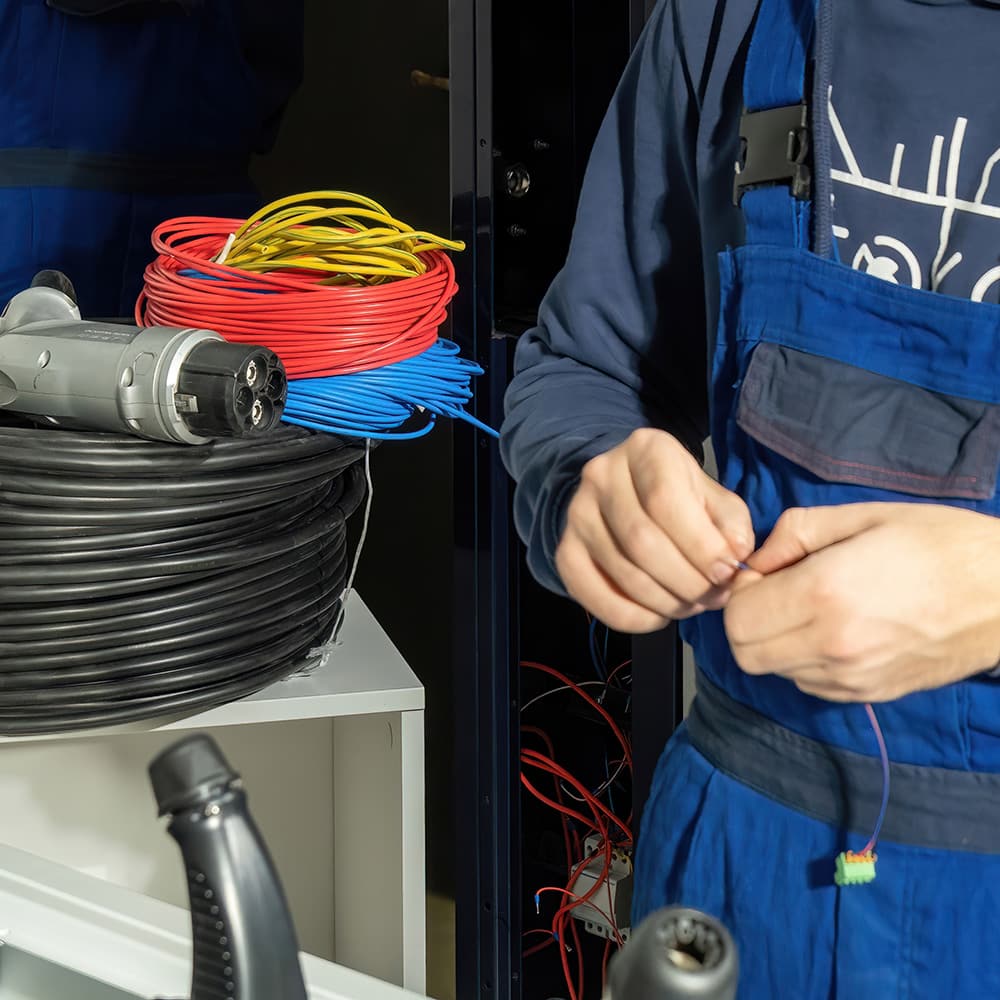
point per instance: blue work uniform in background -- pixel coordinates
(831, 381)
(116, 116)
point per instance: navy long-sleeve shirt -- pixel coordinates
(626, 328)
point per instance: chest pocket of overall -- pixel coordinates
(854, 427)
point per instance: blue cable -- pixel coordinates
(886, 778)
(607, 775)
(376, 404)
(594, 655)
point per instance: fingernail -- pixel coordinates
(722, 572)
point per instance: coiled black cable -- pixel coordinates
(141, 580)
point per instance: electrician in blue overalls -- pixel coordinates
(843, 288)
(118, 114)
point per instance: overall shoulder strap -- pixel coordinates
(775, 177)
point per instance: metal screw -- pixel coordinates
(252, 372)
(257, 414)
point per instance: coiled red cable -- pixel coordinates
(316, 329)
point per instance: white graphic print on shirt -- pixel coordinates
(947, 196)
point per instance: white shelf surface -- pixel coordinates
(127, 941)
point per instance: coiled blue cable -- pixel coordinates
(376, 404)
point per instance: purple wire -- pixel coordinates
(883, 753)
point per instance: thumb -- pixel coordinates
(804, 530)
(731, 516)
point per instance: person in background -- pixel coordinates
(826, 313)
(118, 114)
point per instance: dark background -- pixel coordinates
(358, 124)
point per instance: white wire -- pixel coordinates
(600, 791)
(349, 587)
(565, 687)
(319, 655)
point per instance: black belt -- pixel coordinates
(124, 173)
(931, 807)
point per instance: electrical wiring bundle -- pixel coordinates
(351, 299)
(595, 838)
(140, 580)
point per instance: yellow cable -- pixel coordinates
(354, 239)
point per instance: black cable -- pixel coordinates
(124, 653)
(140, 580)
(36, 543)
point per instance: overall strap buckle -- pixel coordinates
(775, 148)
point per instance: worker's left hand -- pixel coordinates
(869, 602)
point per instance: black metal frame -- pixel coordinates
(487, 790)
(488, 878)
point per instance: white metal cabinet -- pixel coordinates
(68, 935)
(334, 766)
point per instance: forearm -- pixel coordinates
(621, 340)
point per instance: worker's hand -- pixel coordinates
(870, 602)
(650, 536)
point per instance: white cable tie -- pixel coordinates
(224, 252)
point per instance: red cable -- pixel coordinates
(596, 888)
(315, 329)
(559, 925)
(578, 900)
(547, 740)
(573, 994)
(535, 949)
(537, 760)
(580, 981)
(621, 666)
(534, 759)
(600, 709)
(537, 930)
(566, 909)
(565, 810)
(564, 914)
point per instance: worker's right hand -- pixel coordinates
(650, 537)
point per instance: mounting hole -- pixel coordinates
(691, 944)
(262, 413)
(276, 385)
(685, 960)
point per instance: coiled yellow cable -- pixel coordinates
(354, 239)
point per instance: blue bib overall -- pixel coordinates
(831, 386)
(111, 124)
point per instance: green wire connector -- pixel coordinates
(855, 869)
